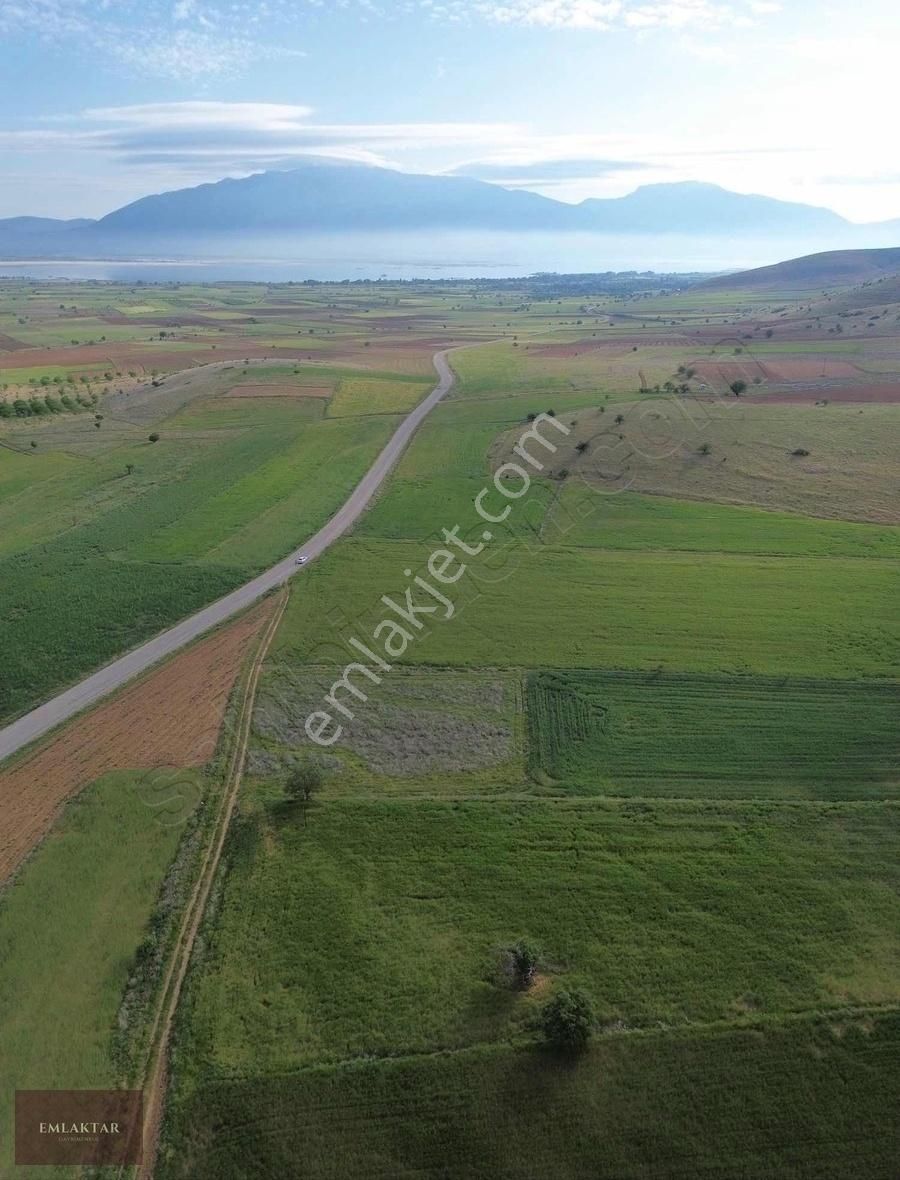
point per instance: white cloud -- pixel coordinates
(606, 15)
(184, 39)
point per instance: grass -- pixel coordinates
(741, 453)
(375, 928)
(635, 521)
(802, 1101)
(422, 730)
(713, 737)
(584, 608)
(358, 395)
(100, 557)
(70, 925)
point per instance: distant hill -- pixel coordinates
(693, 208)
(833, 268)
(322, 196)
(36, 236)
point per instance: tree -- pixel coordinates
(524, 957)
(154, 437)
(567, 1020)
(738, 387)
(619, 419)
(581, 447)
(303, 781)
(704, 448)
(129, 468)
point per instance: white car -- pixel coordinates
(302, 559)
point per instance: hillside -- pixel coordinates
(834, 268)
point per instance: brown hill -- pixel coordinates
(835, 268)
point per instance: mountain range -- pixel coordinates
(325, 196)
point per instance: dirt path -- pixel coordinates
(156, 1076)
(100, 684)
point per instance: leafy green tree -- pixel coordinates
(567, 1020)
(303, 781)
(154, 437)
(738, 387)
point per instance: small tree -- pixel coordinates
(619, 419)
(704, 448)
(738, 387)
(524, 957)
(129, 468)
(154, 437)
(567, 1020)
(303, 782)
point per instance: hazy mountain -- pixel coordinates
(276, 212)
(833, 268)
(694, 208)
(335, 196)
(23, 236)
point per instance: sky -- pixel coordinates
(104, 101)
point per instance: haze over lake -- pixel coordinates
(422, 255)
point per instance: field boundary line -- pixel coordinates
(156, 1069)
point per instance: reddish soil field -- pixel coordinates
(882, 394)
(284, 390)
(784, 371)
(580, 347)
(171, 718)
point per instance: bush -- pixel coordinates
(800, 452)
(524, 957)
(303, 781)
(567, 1020)
(154, 437)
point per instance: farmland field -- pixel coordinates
(651, 730)
(70, 928)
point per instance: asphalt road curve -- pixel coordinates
(100, 684)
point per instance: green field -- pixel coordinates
(584, 608)
(107, 538)
(375, 930)
(674, 734)
(582, 516)
(717, 1103)
(655, 734)
(70, 926)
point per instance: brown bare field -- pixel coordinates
(783, 371)
(171, 718)
(284, 389)
(621, 343)
(874, 393)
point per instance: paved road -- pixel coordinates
(33, 725)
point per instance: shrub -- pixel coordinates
(524, 956)
(154, 437)
(567, 1020)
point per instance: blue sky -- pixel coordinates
(106, 100)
